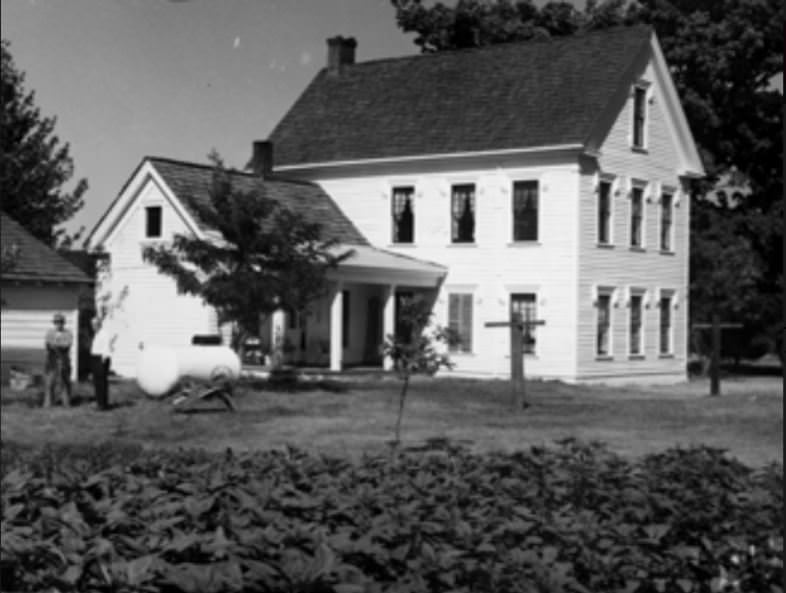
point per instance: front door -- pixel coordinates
(402, 329)
(372, 354)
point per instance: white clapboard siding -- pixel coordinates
(26, 329)
(624, 268)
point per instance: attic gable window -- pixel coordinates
(462, 213)
(639, 116)
(403, 215)
(153, 222)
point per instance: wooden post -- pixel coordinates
(518, 397)
(716, 354)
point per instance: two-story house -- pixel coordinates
(547, 177)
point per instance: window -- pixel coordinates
(153, 222)
(666, 202)
(525, 211)
(462, 213)
(635, 334)
(603, 342)
(403, 215)
(639, 116)
(525, 304)
(604, 213)
(636, 216)
(460, 321)
(665, 324)
(345, 309)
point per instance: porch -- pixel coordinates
(346, 329)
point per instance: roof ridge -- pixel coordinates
(507, 44)
(197, 165)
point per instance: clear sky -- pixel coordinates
(130, 78)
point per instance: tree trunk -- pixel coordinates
(402, 398)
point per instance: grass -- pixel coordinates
(350, 418)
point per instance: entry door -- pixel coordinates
(402, 329)
(374, 337)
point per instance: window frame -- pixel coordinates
(605, 181)
(527, 348)
(409, 192)
(641, 188)
(640, 112)
(465, 326)
(639, 351)
(671, 193)
(604, 293)
(514, 221)
(455, 238)
(148, 210)
(666, 296)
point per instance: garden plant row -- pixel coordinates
(568, 518)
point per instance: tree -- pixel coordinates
(416, 350)
(722, 55)
(261, 257)
(34, 165)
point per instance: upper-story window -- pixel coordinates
(403, 213)
(636, 216)
(604, 212)
(639, 116)
(666, 206)
(525, 211)
(462, 213)
(153, 222)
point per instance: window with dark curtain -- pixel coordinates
(462, 210)
(525, 211)
(403, 215)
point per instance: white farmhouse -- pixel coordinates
(548, 177)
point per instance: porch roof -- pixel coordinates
(372, 265)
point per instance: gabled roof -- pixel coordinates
(190, 185)
(35, 261)
(190, 182)
(510, 96)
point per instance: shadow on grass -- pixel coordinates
(292, 384)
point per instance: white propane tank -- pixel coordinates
(160, 367)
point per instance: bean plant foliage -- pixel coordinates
(569, 518)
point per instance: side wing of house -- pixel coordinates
(634, 238)
(146, 307)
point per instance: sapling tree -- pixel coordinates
(418, 349)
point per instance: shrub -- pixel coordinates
(440, 518)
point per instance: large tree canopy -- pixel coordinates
(723, 55)
(34, 165)
(260, 257)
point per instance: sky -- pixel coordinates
(173, 78)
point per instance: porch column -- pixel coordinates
(278, 328)
(389, 320)
(336, 327)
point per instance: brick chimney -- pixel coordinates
(262, 158)
(341, 52)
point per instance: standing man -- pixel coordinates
(57, 370)
(100, 359)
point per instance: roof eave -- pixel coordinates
(569, 148)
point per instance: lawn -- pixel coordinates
(354, 417)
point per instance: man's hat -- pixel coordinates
(58, 317)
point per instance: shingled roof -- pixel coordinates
(515, 95)
(35, 261)
(190, 182)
